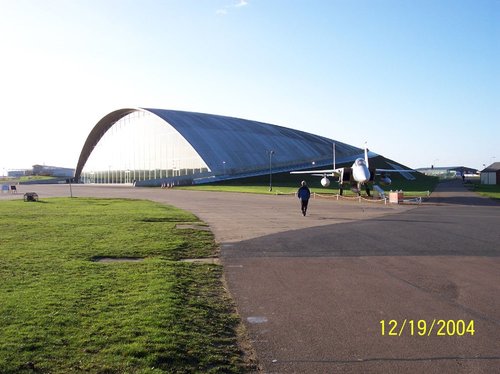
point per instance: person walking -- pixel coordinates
(304, 194)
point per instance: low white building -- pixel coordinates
(491, 175)
(448, 172)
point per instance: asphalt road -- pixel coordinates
(313, 290)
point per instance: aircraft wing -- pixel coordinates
(395, 171)
(319, 173)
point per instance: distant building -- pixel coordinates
(446, 172)
(18, 173)
(491, 175)
(52, 171)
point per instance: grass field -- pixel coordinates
(31, 178)
(289, 184)
(491, 191)
(62, 312)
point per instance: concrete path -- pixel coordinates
(313, 290)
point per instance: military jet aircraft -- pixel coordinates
(358, 175)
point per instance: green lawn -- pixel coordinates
(62, 312)
(30, 178)
(492, 191)
(419, 187)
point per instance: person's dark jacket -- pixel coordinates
(303, 193)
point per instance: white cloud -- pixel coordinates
(223, 11)
(241, 3)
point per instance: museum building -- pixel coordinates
(152, 147)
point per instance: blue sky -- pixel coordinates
(417, 80)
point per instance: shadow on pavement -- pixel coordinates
(427, 231)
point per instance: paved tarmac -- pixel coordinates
(314, 298)
(313, 290)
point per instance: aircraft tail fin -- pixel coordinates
(366, 156)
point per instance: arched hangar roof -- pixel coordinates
(239, 145)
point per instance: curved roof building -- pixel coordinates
(200, 147)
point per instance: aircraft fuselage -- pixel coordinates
(360, 172)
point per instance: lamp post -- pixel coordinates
(271, 153)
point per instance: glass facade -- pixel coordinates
(142, 146)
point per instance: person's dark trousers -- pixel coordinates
(303, 204)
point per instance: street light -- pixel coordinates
(271, 153)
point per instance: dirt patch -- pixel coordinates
(210, 260)
(116, 259)
(192, 227)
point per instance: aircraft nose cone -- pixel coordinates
(361, 175)
(365, 176)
